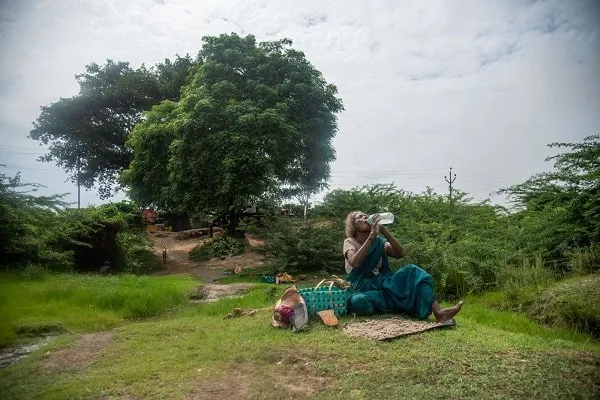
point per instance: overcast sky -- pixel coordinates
(481, 86)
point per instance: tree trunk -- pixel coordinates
(306, 207)
(234, 220)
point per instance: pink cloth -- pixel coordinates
(285, 313)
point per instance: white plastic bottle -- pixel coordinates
(385, 218)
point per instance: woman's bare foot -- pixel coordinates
(447, 314)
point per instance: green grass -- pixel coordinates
(196, 353)
(480, 312)
(80, 303)
(572, 303)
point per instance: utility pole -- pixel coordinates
(78, 146)
(450, 182)
(78, 183)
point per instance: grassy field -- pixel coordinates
(83, 303)
(191, 351)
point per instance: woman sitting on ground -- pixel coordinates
(376, 287)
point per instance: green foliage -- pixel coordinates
(42, 231)
(522, 284)
(147, 175)
(466, 246)
(370, 199)
(255, 119)
(83, 303)
(462, 244)
(39, 329)
(87, 132)
(25, 225)
(531, 289)
(111, 232)
(34, 272)
(136, 252)
(124, 214)
(299, 247)
(222, 247)
(563, 206)
(528, 273)
(585, 260)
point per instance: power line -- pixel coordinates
(15, 150)
(32, 168)
(487, 176)
(491, 182)
(483, 182)
(6, 146)
(394, 170)
(377, 174)
(19, 152)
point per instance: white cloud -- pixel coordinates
(481, 86)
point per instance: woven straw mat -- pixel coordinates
(389, 328)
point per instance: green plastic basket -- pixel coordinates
(267, 278)
(322, 298)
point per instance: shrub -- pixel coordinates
(522, 284)
(301, 247)
(528, 273)
(458, 268)
(221, 247)
(29, 226)
(573, 304)
(43, 231)
(137, 256)
(586, 260)
(34, 272)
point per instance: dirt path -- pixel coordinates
(178, 261)
(85, 350)
(78, 356)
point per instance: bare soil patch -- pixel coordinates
(178, 261)
(254, 241)
(82, 354)
(215, 291)
(289, 378)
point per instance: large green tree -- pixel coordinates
(256, 119)
(87, 132)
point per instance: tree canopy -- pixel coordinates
(255, 119)
(87, 132)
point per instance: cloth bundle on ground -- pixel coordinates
(290, 310)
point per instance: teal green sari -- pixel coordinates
(408, 290)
